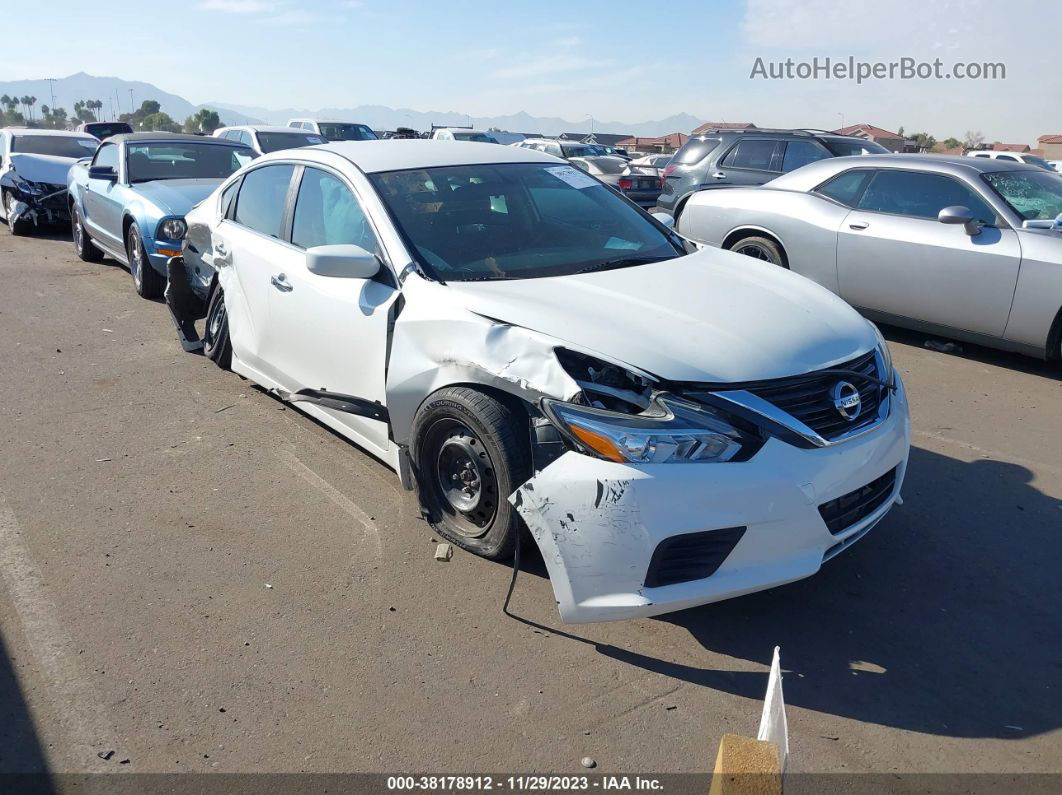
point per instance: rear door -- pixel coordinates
(751, 161)
(248, 250)
(893, 256)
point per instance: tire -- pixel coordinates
(761, 248)
(147, 281)
(82, 244)
(464, 436)
(19, 229)
(216, 344)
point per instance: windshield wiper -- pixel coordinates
(620, 262)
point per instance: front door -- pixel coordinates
(329, 333)
(102, 203)
(893, 256)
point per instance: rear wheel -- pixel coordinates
(472, 452)
(149, 283)
(82, 244)
(216, 345)
(760, 248)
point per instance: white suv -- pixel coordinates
(462, 134)
(335, 130)
(1016, 157)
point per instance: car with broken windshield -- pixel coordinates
(129, 200)
(528, 350)
(33, 171)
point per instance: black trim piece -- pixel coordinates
(849, 509)
(334, 400)
(184, 305)
(691, 556)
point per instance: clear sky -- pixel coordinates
(615, 60)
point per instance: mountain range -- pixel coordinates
(114, 93)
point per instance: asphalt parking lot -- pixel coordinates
(198, 578)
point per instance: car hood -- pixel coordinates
(711, 316)
(176, 196)
(42, 168)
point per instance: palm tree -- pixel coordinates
(31, 103)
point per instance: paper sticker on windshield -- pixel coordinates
(626, 245)
(573, 176)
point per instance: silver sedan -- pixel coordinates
(956, 246)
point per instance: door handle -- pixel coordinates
(858, 225)
(718, 175)
(281, 283)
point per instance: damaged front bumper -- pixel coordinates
(36, 203)
(625, 541)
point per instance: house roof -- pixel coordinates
(723, 125)
(674, 140)
(1050, 139)
(867, 129)
(998, 147)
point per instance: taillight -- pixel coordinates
(626, 183)
(668, 170)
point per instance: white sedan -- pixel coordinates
(525, 347)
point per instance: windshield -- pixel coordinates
(851, 148)
(1034, 195)
(346, 132)
(517, 221)
(579, 150)
(55, 145)
(180, 160)
(477, 137)
(272, 141)
(1033, 160)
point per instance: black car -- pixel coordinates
(748, 157)
(105, 129)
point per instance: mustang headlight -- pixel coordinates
(671, 431)
(172, 229)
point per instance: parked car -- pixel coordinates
(1055, 164)
(649, 165)
(523, 346)
(559, 147)
(129, 201)
(1014, 157)
(335, 130)
(722, 158)
(104, 129)
(462, 134)
(264, 139)
(33, 168)
(958, 246)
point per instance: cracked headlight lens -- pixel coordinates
(172, 229)
(672, 431)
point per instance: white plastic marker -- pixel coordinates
(773, 725)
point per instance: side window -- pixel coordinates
(107, 155)
(1008, 157)
(326, 213)
(245, 138)
(227, 197)
(263, 194)
(921, 195)
(758, 155)
(554, 149)
(847, 187)
(982, 155)
(800, 153)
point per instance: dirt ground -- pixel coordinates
(198, 578)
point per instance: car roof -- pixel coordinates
(35, 131)
(397, 154)
(277, 128)
(166, 136)
(807, 177)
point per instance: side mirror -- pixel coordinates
(342, 261)
(665, 219)
(103, 172)
(960, 215)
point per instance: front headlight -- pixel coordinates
(30, 188)
(886, 354)
(172, 229)
(671, 431)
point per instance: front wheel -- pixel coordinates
(147, 281)
(472, 452)
(17, 228)
(761, 248)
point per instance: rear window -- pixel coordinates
(695, 151)
(107, 129)
(852, 147)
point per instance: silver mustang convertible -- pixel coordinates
(951, 245)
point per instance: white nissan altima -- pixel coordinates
(525, 347)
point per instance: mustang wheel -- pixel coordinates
(472, 453)
(216, 345)
(82, 245)
(148, 282)
(761, 248)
